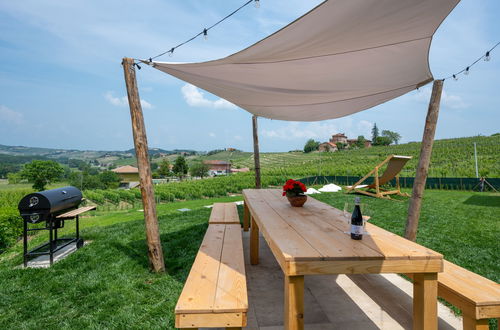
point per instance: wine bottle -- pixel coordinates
(357, 221)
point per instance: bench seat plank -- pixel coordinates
(215, 292)
(461, 287)
(231, 295)
(201, 285)
(224, 213)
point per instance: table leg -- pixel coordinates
(294, 302)
(246, 217)
(425, 301)
(254, 243)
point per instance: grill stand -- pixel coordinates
(54, 244)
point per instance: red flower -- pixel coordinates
(294, 187)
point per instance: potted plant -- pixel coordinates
(294, 192)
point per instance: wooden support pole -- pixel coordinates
(256, 153)
(155, 251)
(424, 161)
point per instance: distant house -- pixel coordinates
(327, 147)
(127, 173)
(331, 145)
(218, 167)
(339, 137)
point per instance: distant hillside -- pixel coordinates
(450, 158)
(83, 154)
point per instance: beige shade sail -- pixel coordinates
(342, 57)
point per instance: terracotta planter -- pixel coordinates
(297, 201)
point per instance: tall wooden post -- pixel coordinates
(155, 251)
(423, 163)
(256, 154)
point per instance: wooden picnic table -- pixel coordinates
(312, 240)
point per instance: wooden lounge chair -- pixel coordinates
(394, 165)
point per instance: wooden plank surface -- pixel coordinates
(224, 213)
(316, 232)
(470, 286)
(231, 294)
(210, 320)
(278, 233)
(199, 291)
(74, 213)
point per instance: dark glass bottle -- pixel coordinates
(357, 221)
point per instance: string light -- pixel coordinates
(466, 71)
(204, 32)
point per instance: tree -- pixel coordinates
(340, 145)
(164, 168)
(311, 145)
(360, 143)
(394, 136)
(180, 167)
(375, 134)
(109, 179)
(382, 141)
(41, 173)
(199, 169)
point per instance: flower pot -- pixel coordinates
(297, 201)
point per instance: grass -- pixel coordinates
(107, 284)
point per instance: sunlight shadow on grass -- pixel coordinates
(484, 200)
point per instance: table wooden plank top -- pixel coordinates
(309, 236)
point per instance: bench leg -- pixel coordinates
(246, 217)
(294, 302)
(254, 243)
(470, 323)
(425, 301)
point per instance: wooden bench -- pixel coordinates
(215, 292)
(477, 297)
(224, 213)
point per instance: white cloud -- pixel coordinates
(195, 98)
(11, 116)
(447, 100)
(123, 101)
(212, 134)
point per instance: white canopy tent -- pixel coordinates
(342, 57)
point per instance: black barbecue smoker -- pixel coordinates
(51, 208)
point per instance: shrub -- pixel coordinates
(11, 226)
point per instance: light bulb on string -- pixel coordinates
(487, 57)
(455, 77)
(205, 34)
(257, 3)
(466, 71)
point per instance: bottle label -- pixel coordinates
(357, 230)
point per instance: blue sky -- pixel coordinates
(61, 81)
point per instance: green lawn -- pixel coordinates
(107, 284)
